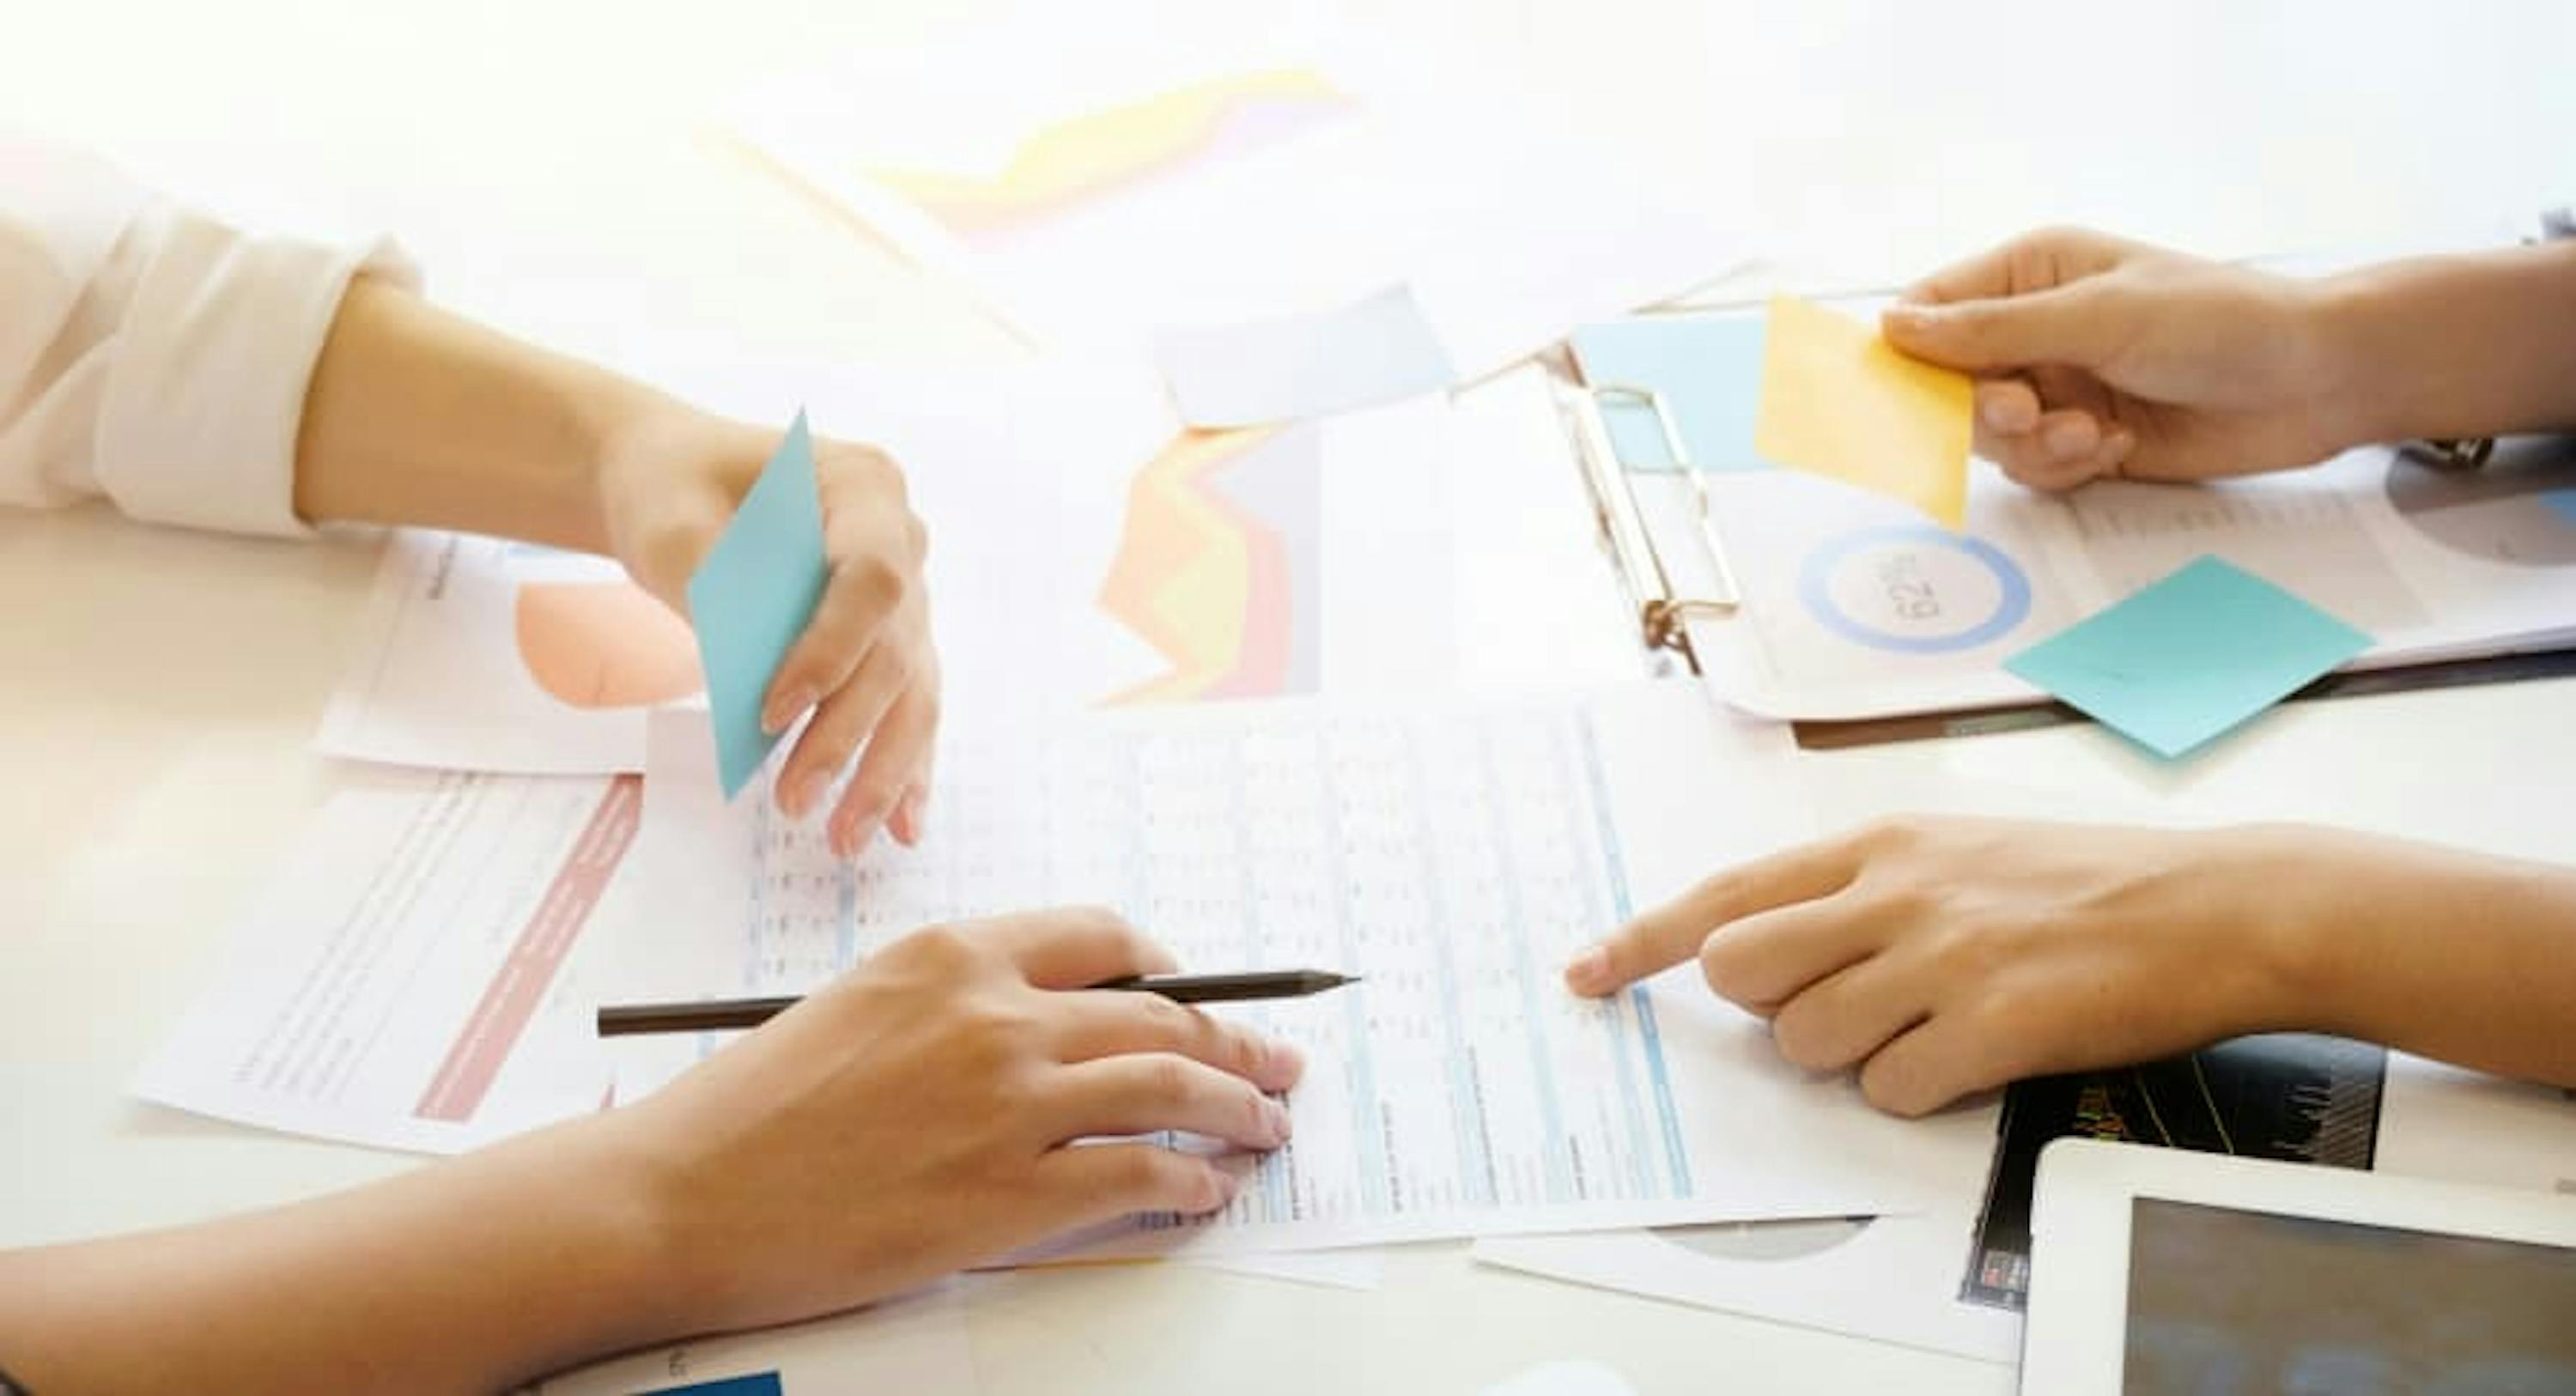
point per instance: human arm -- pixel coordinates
(416, 416)
(1944, 957)
(2099, 356)
(916, 1116)
(192, 372)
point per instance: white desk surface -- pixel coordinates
(555, 167)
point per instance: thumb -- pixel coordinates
(2072, 325)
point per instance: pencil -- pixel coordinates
(720, 1015)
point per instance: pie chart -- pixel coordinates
(2519, 508)
(604, 645)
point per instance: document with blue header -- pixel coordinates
(1454, 856)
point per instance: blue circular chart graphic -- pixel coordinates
(1914, 589)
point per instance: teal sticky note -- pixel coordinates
(2190, 656)
(752, 597)
(1708, 368)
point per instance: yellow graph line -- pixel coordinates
(1075, 157)
(1182, 578)
(2197, 1075)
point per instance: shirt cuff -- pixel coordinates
(202, 406)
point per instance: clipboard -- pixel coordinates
(1666, 611)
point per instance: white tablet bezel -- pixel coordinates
(2075, 1333)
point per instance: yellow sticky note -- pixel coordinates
(1838, 401)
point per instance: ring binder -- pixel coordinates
(1660, 613)
(1665, 619)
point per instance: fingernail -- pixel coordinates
(2001, 416)
(909, 814)
(2070, 438)
(1283, 1059)
(1907, 317)
(783, 708)
(2122, 442)
(1275, 1115)
(1589, 969)
(798, 796)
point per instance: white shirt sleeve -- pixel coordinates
(153, 354)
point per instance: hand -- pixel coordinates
(864, 667)
(2102, 357)
(924, 1112)
(1950, 956)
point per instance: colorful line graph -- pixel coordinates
(1121, 148)
(1217, 565)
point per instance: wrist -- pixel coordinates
(608, 417)
(2341, 316)
(2276, 893)
(588, 1211)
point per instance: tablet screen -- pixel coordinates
(2223, 1301)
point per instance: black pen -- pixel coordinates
(718, 1015)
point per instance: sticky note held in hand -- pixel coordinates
(1839, 401)
(753, 595)
(2190, 656)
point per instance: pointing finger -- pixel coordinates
(1673, 932)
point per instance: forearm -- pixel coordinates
(415, 416)
(2445, 954)
(463, 1277)
(2480, 345)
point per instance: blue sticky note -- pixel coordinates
(756, 1384)
(752, 597)
(1377, 349)
(1708, 369)
(2564, 501)
(2190, 656)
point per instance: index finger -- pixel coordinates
(1075, 947)
(2038, 261)
(1674, 932)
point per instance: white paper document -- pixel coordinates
(2439, 1121)
(1120, 171)
(1899, 1279)
(403, 981)
(484, 654)
(1854, 607)
(1453, 856)
(1892, 1278)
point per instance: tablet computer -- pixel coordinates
(2161, 1270)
